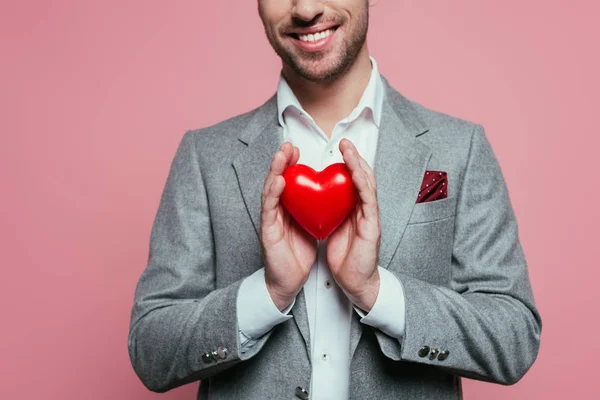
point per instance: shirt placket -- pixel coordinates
(331, 311)
(330, 302)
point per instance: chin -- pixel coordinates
(329, 73)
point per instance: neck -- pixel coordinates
(331, 102)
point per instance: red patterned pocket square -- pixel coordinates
(434, 186)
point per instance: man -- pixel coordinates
(403, 299)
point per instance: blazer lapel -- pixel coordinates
(400, 163)
(263, 137)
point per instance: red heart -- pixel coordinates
(319, 201)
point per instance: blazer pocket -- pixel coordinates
(433, 210)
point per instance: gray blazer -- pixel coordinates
(459, 259)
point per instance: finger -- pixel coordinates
(348, 146)
(295, 156)
(274, 183)
(360, 177)
(271, 202)
(365, 191)
(368, 199)
(370, 173)
(278, 164)
(288, 150)
(349, 154)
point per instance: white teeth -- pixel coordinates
(316, 36)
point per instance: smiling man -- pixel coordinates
(425, 282)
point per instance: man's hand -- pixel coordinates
(289, 251)
(353, 248)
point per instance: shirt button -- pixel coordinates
(327, 283)
(302, 393)
(330, 152)
(324, 357)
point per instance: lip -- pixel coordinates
(314, 46)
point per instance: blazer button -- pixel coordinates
(423, 351)
(443, 355)
(433, 354)
(222, 352)
(207, 358)
(214, 355)
(302, 393)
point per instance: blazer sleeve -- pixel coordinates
(486, 320)
(178, 314)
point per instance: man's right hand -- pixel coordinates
(289, 251)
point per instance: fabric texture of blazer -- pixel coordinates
(459, 259)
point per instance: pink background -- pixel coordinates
(95, 97)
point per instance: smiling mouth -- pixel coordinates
(314, 37)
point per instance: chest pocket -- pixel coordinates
(425, 251)
(430, 211)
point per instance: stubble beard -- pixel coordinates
(346, 55)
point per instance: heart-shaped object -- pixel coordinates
(319, 201)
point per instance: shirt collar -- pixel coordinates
(371, 98)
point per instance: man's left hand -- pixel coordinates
(353, 248)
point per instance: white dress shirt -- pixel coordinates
(329, 310)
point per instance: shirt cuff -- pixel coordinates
(256, 312)
(388, 312)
